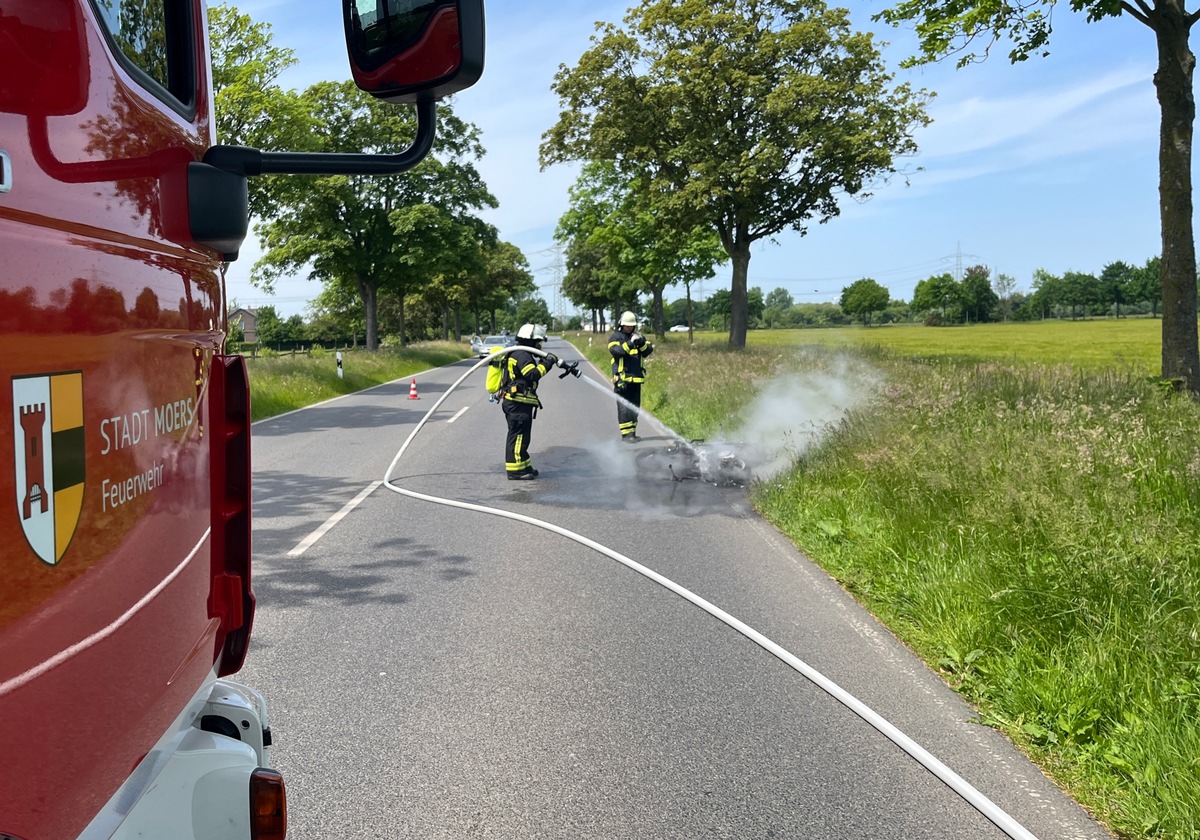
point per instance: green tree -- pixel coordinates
(1147, 284)
(1004, 285)
(718, 305)
(377, 234)
(533, 311)
(749, 116)
(250, 109)
(451, 252)
(755, 305)
(863, 298)
(779, 298)
(336, 315)
(1115, 281)
(1079, 292)
(584, 282)
(1049, 292)
(940, 293)
(505, 277)
(269, 326)
(945, 27)
(778, 306)
(643, 254)
(978, 299)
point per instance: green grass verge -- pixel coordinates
(282, 383)
(1027, 523)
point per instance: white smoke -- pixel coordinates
(796, 409)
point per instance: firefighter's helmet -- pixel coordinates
(532, 332)
(628, 319)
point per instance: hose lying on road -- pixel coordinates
(959, 785)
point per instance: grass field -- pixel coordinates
(1125, 344)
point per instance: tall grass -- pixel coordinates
(280, 383)
(1030, 529)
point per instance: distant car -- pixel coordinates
(679, 328)
(492, 343)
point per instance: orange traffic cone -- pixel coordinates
(412, 392)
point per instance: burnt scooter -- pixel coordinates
(722, 464)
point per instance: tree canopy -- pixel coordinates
(614, 215)
(967, 28)
(396, 233)
(250, 109)
(749, 116)
(863, 298)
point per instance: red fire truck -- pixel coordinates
(125, 540)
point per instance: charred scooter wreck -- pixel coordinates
(723, 464)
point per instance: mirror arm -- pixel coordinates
(243, 160)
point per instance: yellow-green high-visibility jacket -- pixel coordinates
(524, 371)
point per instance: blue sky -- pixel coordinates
(1049, 164)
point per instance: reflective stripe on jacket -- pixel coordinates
(524, 371)
(627, 361)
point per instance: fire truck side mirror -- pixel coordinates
(415, 51)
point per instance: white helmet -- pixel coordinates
(532, 332)
(628, 319)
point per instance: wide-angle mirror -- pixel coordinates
(414, 50)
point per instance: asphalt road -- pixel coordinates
(435, 672)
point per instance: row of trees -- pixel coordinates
(751, 117)
(345, 327)
(380, 246)
(1120, 289)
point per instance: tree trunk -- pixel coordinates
(1173, 81)
(739, 300)
(657, 307)
(370, 299)
(691, 329)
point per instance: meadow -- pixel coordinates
(1125, 344)
(1020, 504)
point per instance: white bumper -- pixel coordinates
(194, 785)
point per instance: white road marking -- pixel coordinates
(306, 543)
(461, 412)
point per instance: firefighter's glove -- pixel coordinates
(550, 360)
(569, 368)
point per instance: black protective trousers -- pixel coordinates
(627, 415)
(520, 430)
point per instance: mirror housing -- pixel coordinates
(414, 51)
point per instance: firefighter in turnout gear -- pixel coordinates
(629, 349)
(519, 399)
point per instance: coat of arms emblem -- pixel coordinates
(49, 458)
